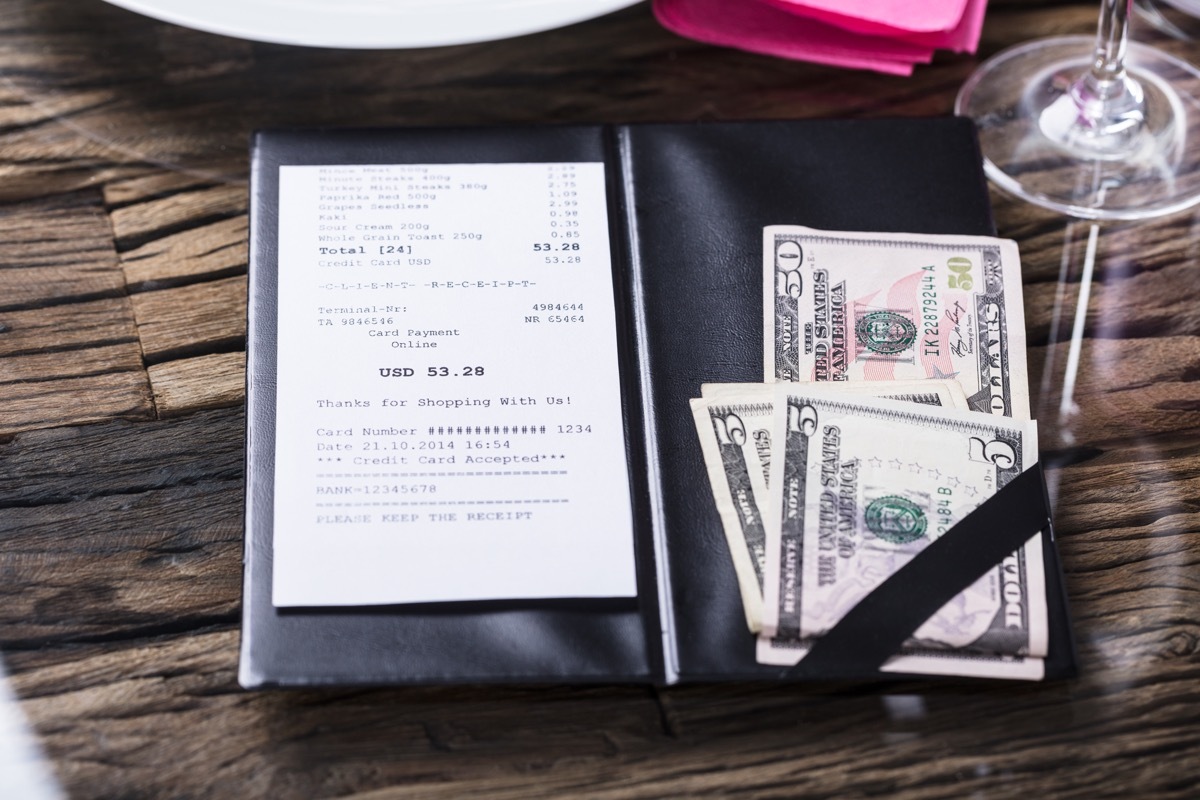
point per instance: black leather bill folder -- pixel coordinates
(687, 204)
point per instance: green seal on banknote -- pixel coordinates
(896, 519)
(885, 332)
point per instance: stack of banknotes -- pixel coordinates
(895, 400)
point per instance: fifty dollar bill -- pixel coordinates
(841, 306)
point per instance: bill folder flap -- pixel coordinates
(879, 624)
(700, 196)
(610, 640)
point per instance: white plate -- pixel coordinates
(372, 23)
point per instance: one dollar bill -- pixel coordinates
(842, 306)
(859, 486)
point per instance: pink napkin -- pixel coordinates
(887, 36)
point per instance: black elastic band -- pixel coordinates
(882, 621)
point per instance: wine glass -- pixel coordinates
(1096, 129)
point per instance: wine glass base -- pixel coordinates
(1034, 148)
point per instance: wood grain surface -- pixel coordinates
(122, 333)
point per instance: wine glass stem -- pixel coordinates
(1108, 104)
(1112, 37)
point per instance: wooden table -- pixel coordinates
(122, 334)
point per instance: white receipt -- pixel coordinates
(448, 414)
